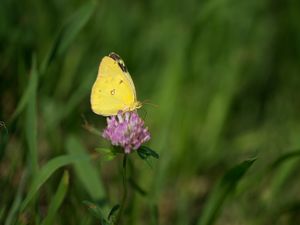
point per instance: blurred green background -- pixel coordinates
(225, 75)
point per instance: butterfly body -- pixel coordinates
(113, 90)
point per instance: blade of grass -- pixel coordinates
(284, 166)
(2, 212)
(222, 189)
(81, 92)
(68, 32)
(64, 109)
(47, 170)
(96, 211)
(30, 89)
(4, 137)
(63, 40)
(57, 199)
(22, 103)
(285, 157)
(31, 120)
(11, 217)
(85, 170)
(270, 169)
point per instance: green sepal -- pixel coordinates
(146, 152)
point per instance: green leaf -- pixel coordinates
(87, 173)
(223, 188)
(57, 199)
(47, 170)
(68, 33)
(96, 211)
(146, 152)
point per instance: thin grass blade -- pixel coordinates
(222, 189)
(68, 33)
(85, 170)
(285, 157)
(31, 120)
(46, 171)
(57, 199)
(30, 89)
(11, 217)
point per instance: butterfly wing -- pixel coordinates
(112, 90)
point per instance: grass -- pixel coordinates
(225, 77)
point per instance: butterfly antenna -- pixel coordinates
(147, 102)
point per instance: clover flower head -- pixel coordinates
(126, 130)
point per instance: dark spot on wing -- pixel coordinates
(122, 66)
(118, 60)
(113, 91)
(99, 91)
(121, 81)
(114, 56)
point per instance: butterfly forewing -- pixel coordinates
(113, 89)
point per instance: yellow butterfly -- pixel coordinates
(113, 89)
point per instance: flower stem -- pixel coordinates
(123, 203)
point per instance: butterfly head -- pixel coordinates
(136, 105)
(133, 107)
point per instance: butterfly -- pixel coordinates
(113, 90)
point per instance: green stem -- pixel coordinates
(123, 203)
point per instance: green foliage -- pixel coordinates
(29, 95)
(87, 173)
(108, 154)
(284, 158)
(47, 170)
(57, 199)
(221, 190)
(11, 216)
(68, 33)
(137, 187)
(31, 120)
(112, 213)
(224, 76)
(96, 211)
